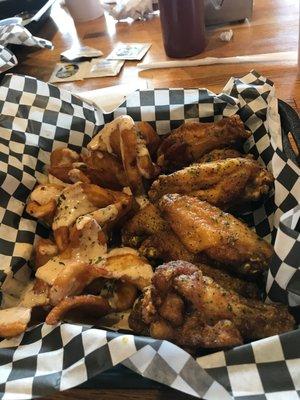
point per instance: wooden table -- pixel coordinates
(274, 27)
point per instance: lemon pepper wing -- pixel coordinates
(205, 229)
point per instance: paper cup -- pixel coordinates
(86, 10)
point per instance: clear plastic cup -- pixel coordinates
(84, 10)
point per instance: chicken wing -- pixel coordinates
(192, 140)
(228, 282)
(156, 241)
(186, 307)
(221, 183)
(165, 246)
(222, 154)
(205, 229)
(145, 222)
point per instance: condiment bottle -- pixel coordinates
(183, 27)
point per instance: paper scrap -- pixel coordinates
(226, 36)
(129, 51)
(69, 72)
(100, 68)
(79, 52)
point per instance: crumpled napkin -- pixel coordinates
(17, 34)
(135, 9)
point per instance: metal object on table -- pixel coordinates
(224, 11)
(33, 12)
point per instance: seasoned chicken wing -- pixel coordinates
(205, 229)
(184, 306)
(165, 246)
(222, 154)
(221, 183)
(156, 241)
(192, 140)
(228, 282)
(145, 222)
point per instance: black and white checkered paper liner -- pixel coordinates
(16, 34)
(36, 118)
(7, 59)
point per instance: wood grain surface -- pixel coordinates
(118, 394)
(274, 28)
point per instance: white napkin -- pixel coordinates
(110, 98)
(135, 9)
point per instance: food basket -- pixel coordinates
(50, 358)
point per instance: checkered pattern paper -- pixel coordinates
(7, 59)
(16, 34)
(35, 119)
(51, 358)
(267, 369)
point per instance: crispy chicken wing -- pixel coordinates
(145, 222)
(156, 241)
(221, 183)
(228, 282)
(222, 154)
(186, 307)
(192, 140)
(203, 228)
(165, 246)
